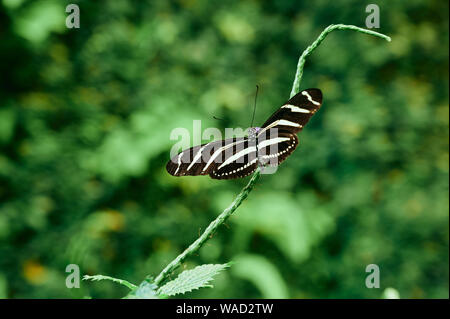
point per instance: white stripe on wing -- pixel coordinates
(310, 98)
(216, 153)
(239, 154)
(295, 108)
(272, 141)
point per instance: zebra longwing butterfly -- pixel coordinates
(268, 145)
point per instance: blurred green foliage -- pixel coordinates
(85, 120)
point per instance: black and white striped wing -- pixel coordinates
(239, 157)
(295, 113)
(277, 137)
(274, 150)
(206, 158)
(242, 162)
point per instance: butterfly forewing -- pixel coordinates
(295, 113)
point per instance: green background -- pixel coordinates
(85, 121)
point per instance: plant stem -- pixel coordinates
(315, 44)
(119, 281)
(211, 229)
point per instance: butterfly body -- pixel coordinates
(268, 145)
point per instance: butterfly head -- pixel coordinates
(253, 132)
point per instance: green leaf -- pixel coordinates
(192, 279)
(102, 277)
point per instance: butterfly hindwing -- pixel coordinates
(272, 151)
(203, 159)
(241, 163)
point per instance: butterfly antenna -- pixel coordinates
(254, 107)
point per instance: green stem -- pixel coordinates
(211, 229)
(315, 44)
(119, 281)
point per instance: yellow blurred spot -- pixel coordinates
(114, 220)
(34, 272)
(104, 221)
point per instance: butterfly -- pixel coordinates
(265, 146)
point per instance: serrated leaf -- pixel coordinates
(192, 279)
